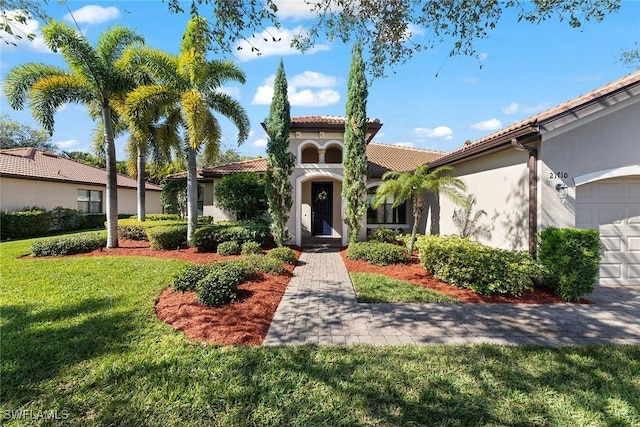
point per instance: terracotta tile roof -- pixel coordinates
(30, 163)
(385, 157)
(253, 165)
(574, 109)
(338, 120)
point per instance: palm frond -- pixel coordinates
(142, 62)
(113, 42)
(221, 72)
(233, 110)
(20, 79)
(196, 115)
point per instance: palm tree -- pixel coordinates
(468, 223)
(413, 186)
(93, 79)
(186, 92)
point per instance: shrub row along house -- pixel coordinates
(574, 165)
(30, 177)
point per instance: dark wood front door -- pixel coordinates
(321, 208)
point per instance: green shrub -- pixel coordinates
(207, 239)
(571, 258)
(68, 245)
(481, 268)
(378, 253)
(167, 237)
(228, 248)
(241, 269)
(95, 221)
(251, 247)
(217, 288)
(66, 219)
(283, 254)
(266, 264)
(132, 231)
(385, 235)
(34, 222)
(188, 277)
(158, 217)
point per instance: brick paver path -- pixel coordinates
(320, 307)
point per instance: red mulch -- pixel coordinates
(413, 272)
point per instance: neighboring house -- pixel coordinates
(30, 177)
(585, 165)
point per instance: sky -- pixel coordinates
(433, 101)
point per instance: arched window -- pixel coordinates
(333, 155)
(385, 213)
(310, 155)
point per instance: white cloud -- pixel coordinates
(439, 132)
(483, 56)
(470, 80)
(30, 26)
(68, 144)
(404, 144)
(232, 91)
(272, 41)
(491, 124)
(515, 108)
(93, 14)
(294, 9)
(586, 78)
(260, 142)
(299, 94)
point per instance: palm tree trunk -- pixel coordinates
(417, 216)
(192, 192)
(112, 178)
(141, 185)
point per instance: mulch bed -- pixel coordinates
(414, 273)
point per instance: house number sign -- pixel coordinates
(559, 174)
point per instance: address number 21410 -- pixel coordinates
(559, 174)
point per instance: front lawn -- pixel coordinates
(80, 337)
(371, 287)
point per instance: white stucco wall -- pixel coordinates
(16, 194)
(609, 140)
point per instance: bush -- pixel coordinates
(66, 219)
(571, 258)
(188, 277)
(217, 288)
(33, 222)
(481, 268)
(68, 245)
(266, 264)
(158, 217)
(241, 269)
(378, 253)
(283, 254)
(385, 235)
(208, 238)
(167, 237)
(249, 248)
(95, 221)
(133, 229)
(228, 248)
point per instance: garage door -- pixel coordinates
(612, 206)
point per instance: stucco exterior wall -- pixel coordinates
(500, 184)
(609, 140)
(16, 194)
(210, 208)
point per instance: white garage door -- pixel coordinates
(612, 206)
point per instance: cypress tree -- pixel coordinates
(280, 161)
(354, 186)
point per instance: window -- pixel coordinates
(200, 199)
(385, 213)
(90, 201)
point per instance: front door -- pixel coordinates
(321, 208)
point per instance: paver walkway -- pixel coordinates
(320, 307)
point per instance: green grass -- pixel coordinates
(371, 287)
(80, 336)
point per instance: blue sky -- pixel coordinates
(525, 69)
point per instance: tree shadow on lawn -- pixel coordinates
(311, 385)
(38, 345)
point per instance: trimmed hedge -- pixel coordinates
(68, 245)
(481, 268)
(266, 264)
(158, 217)
(167, 237)
(283, 254)
(378, 253)
(29, 223)
(133, 229)
(571, 258)
(385, 235)
(207, 239)
(250, 248)
(188, 277)
(217, 288)
(67, 219)
(228, 248)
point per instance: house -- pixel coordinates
(30, 177)
(318, 208)
(574, 165)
